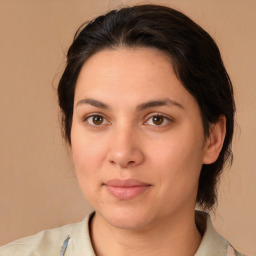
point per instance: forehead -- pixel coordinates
(126, 65)
(130, 59)
(130, 74)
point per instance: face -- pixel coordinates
(137, 138)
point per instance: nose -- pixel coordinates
(125, 149)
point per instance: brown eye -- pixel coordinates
(158, 120)
(96, 120)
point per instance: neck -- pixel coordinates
(175, 235)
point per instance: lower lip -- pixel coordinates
(126, 193)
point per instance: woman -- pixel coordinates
(148, 111)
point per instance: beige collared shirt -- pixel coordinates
(74, 239)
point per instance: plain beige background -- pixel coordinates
(38, 188)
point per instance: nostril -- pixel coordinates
(131, 162)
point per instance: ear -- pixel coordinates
(214, 142)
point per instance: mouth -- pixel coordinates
(126, 189)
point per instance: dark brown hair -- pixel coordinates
(195, 58)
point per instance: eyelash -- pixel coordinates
(85, 119)
(166, 120)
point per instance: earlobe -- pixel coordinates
(215, 141)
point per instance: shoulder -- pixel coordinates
(212, 243)
(47, 242)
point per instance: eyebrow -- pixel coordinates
(158, 103)
(93, 102)
(141, 107)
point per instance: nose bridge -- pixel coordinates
(125, 149)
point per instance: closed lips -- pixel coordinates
(126, 189)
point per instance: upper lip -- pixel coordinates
(125, 183)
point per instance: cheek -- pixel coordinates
(180, 159)
(87, 161)
(180, 149)
(88, 155)
(86, 167)
(177, 174)
(87, 149)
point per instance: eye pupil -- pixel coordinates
(97, 120)
(158, 120)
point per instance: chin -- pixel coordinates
(124, 218)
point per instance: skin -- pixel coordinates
(115, 135)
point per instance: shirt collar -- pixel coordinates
(212, 243)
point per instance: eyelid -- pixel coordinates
(166, 117)
(86, 117)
